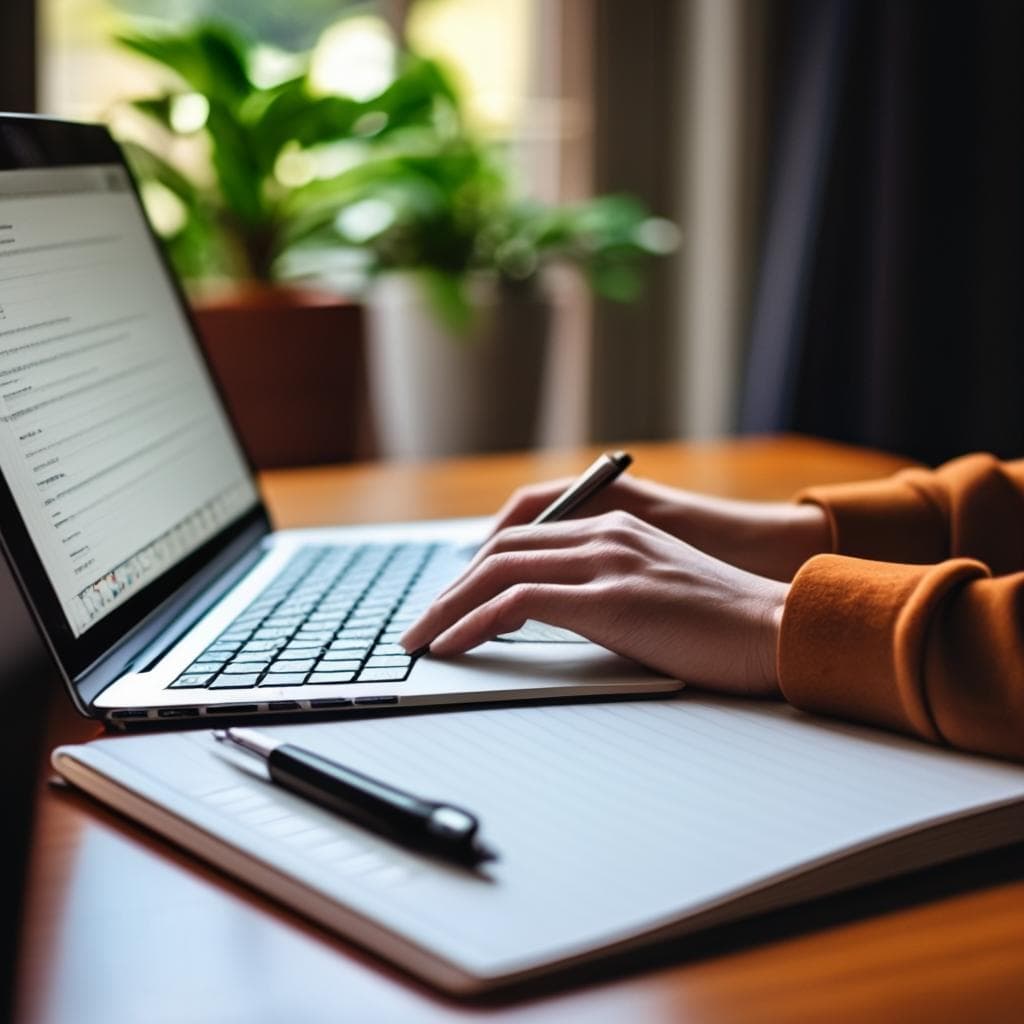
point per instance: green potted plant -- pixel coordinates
(458, 314)
(223, 170)
(425, 213)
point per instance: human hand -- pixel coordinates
(624, 584)
(770, 539)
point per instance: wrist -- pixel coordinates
(774, 539)
(766, 640)
(810, 534)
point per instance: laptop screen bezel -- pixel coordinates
(28, 142)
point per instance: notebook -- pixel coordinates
(617, 823)
(132, 521)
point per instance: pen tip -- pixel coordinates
(220, 735)
(484, 853)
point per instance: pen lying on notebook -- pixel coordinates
(437, 828)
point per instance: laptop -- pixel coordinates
(131, 518)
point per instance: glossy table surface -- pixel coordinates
(121, 927)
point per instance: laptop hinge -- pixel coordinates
(177, 628)
(146, 643)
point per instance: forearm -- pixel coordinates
(770, 539)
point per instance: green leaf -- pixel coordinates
(147, 165)
(210, 58)
(156, 108)
(239, 173)
(413, 97)
(293, 115)
(446, 293)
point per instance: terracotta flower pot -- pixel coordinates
(291, 366)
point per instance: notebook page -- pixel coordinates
(609, 818)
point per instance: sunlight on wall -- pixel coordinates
(355, 57)
(82, 73)
(487, 44)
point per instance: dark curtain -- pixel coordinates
(26, 679)
(889, 311)
(17, 55)
(636, 106)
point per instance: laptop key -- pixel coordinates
(205, 667)
(233, 682)
(382, 675)
(260, 646)
(191, 681)
(293, 666)
(339, 665)
(284, 679)
(321, 678)
(359, 645)
(277, 633)
(389, 661)
(243, 666)
(389, 648)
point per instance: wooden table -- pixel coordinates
(123, 928)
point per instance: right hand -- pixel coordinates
(771, 539)
(626, 585)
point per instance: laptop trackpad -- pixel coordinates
(546, 662)
(541, 633)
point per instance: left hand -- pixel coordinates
(625, 585)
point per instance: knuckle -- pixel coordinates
(618, 526)
(517, 596)
(508, 534)
(604, 591)
(613, 549)
(506, 539)
(528, 493)
(499, 565)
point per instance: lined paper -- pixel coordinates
(610, 819)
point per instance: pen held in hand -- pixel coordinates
(604, 470)
(599, 474)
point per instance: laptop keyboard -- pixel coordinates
(332, 615)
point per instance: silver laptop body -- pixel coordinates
(131, 518)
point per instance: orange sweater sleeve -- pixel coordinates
(916, 622)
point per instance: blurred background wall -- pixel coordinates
(846, 177)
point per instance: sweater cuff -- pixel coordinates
(853, 635)
(890, 520)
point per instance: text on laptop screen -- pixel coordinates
(113, 440)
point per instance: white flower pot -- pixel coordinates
(436, 392)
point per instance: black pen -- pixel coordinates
(601, 472)
(437, 828)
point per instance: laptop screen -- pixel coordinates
(115, 448)
(113, 440)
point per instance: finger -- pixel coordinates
(527, 503)
(495, 575)
(547, 536)
(554, 603)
